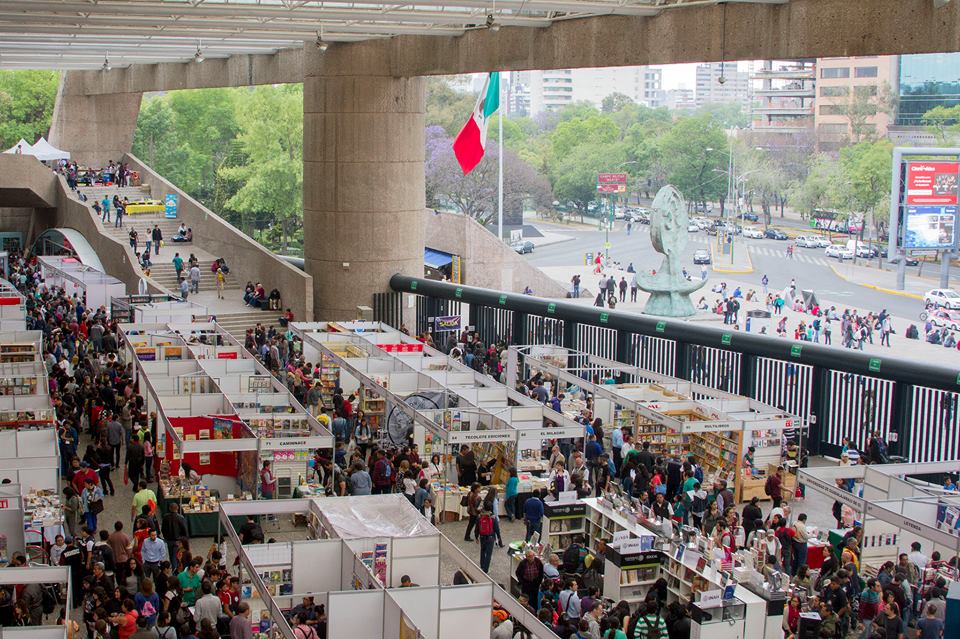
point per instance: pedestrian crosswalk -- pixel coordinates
(809, 256)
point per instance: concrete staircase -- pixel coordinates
(237, 323)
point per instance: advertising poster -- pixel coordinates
(932, 183)
(447, 323)
(930, 227)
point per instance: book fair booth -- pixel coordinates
(414, 393)
(364, 546)
(30, 506)
(220, 412)
(13, 309)
(74, 277)
(676, 416)
(47, 576)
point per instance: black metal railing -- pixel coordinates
(841, 393)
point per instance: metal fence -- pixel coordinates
(841, 393)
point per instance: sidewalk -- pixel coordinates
(736, 261)
(900, 347)
(548, 236)
(885, 280)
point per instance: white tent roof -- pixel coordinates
(25, 147)
(43, 150)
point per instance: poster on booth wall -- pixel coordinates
(222, 428)
(146, 353)
(170, 205)
(172, 352)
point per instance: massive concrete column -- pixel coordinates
(363, 185)
(94, 128)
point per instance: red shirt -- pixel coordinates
(128, 624)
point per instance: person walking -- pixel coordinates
(530, 575)
(221, 281)
(133, 239)
(486, 533)
(120, 211)
(473, 510)
(623, 289)
(765, 282)
(105, 206)
(885, 330)
(177, 264)
(194, 279)
(92, 500)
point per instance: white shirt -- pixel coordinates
(919, 559)
(625, 449)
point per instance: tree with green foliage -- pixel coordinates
(615, 102)
(813, 192)
(944, 122)
(574, 176)
(446, 107)
(26, 105)
(270, 177)
(695, 153)
(862, 184)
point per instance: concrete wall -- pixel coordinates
(94, 128)
(486, 262)
(248, 260)
(21, 220)
(756, 30)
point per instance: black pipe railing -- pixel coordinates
(891, 368)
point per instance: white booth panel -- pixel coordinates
(421, 606)
(36, 443)
(465, 611)
(34, 632)
(8, 444)
(356, 614)
(392, 616)
(316, 566)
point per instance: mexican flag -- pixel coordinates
(472, 139)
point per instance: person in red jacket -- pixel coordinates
(383, 478)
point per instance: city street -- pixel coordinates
(809, 266)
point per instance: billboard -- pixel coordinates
(932, 183)
(611, 188)
(612, 178)
(930, 227)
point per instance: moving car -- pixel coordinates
(522, 246)
(750, 217)
(753, 232)
(943, 298)
(839, 250)
(701, 256)
(945, 319)
(809, 241)
(775, 234)
(692, 228)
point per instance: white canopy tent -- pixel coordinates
(25, 147)
(45, 151)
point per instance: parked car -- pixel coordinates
(749, 217)
(522, 246)
(943, 298)
(775, 234)
(946, 319)
(808, 241)
(701, 256)
(909, 260)
(822, 242)
(692, 228)
(839, 250)
(753, 232)
(704, 208)
(865, 250)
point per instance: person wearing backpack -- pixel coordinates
(303, 630)
(645, 625)
(487, 535)
(382, 474)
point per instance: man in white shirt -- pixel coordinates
(627, 446)
(917, 557)
(208, 606)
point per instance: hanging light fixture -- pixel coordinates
(198, 56)
(106, 63)
(321, 45)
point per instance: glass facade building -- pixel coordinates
(927, 81)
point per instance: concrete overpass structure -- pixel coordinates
(363, 67)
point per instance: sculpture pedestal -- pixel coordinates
(669, 294)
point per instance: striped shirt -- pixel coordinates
(643, 625)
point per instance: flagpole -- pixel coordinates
(500, 165)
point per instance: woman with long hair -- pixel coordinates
(491, 503)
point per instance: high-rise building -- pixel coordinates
(640, 84)
(723, 83)
(927, 81)
(550, 90)
(784, 101)
(517, 92)
(679, 99)
(854, 91)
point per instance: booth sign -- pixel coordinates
(170, 205)
(446, 323)
(296, 443)
(4, 504)
(468, 436)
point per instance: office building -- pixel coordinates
(927, 81)
(722, 83)
(679, 99)
(550, 90)
(854, 92)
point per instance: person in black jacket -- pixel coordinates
(752, 517)
(173, 526)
